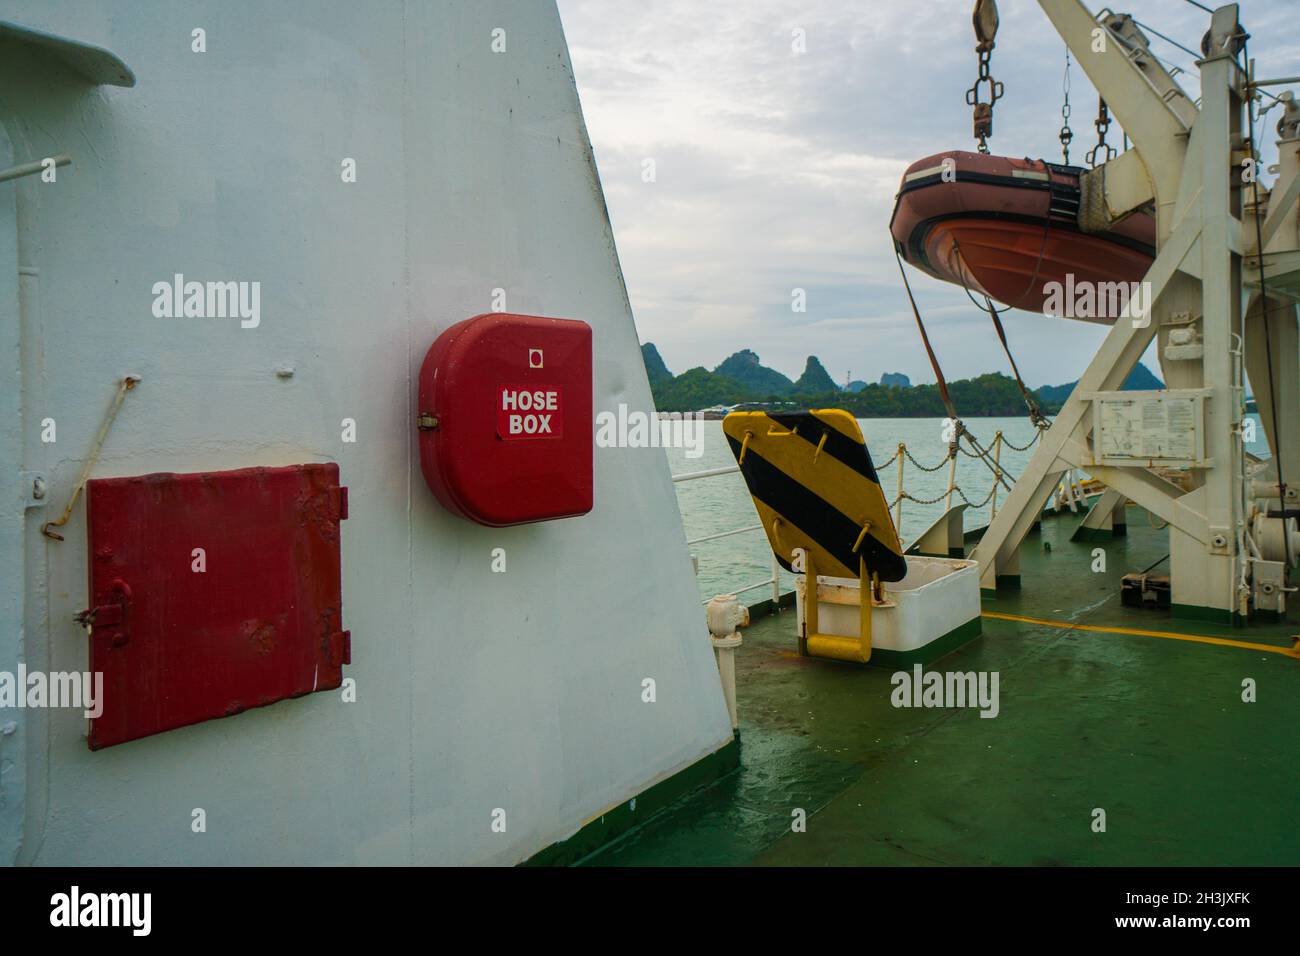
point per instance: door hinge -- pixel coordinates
(340, 648)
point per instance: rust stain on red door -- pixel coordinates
(212, 593)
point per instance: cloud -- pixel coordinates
(776, 171)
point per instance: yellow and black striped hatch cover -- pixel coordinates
(814, 486)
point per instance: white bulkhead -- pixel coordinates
(476, 691)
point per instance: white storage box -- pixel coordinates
(936, 609)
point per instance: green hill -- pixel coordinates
(654, 364)
(695, 389)
(815, 380)
(743, 379)
(1054, 396)
(761, 382)
(698, 388)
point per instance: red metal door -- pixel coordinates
(212, 593)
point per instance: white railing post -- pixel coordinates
(898, 505)
(952, 478)
(997, 474)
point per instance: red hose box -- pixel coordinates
(505, 420)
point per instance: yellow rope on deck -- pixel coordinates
(1168, 635)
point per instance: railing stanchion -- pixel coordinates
(997, 474)
(898, 504)
(776, 582)
(952, 478)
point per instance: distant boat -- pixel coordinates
(1007, 228)
(715, 412)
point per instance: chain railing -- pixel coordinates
(902, 494)
(902, 455)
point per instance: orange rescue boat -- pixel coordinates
(1006, 228)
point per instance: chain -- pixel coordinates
(976, 507)
(1105, 149)
(986, 27)
(921, 466)
(969, 454)
(1030, 444)
(923, 501)
(934, 501)
(953, 448)
(1067, 134)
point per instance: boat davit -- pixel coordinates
(1006, 228)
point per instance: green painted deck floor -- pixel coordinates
(1154, 731)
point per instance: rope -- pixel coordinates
(925, 339)
(1151, 566)
(1268, 345)
(960, 429)
(984, 456)
(1170, 40)
(1035, 412)
(123, 387)
(959, 426)
(1038, 263)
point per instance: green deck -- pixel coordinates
(1152, 730)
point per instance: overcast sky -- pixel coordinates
(775, 170)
